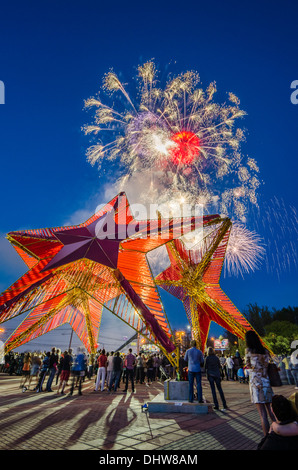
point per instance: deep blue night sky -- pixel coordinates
(53, 55)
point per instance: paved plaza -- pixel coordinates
(103, 421)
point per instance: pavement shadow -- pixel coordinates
(117, 420)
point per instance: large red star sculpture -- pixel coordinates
(193, 277)
(76, 271)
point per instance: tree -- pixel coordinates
(258, 317)
(282, 328)
(278, 344)
(286, 314)
(278, 328)
(261, 317)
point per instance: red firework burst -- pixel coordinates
(186, 148)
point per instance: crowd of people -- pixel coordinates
(109, 370)
(39, 371)
(35, 366)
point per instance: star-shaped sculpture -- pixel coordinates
(76, 271)
(193, 277)
(98, 241)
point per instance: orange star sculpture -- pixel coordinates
(76, 271)
(193, 277)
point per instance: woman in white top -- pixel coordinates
(257, 359)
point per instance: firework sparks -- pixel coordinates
(245, 251)
(177, 141)
(278, 224)
(177, 146)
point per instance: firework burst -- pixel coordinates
(245, 251)
(177, 146)
(174, 143)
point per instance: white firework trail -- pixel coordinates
(278, 224)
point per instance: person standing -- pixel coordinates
(257, 359)
(35, 367)
(195, 359)
(90, 366)
(26, 371)
(286, 362)
(140, 369)
(110, 360)
(238, 362)
(223, 361)
(156, 364)
(78, 371)
(101, 373)
(59, 365)
(213, 370)
(150, 370)
(117, 363)
(12, 363)
(20, 363)
(52, 369)
(66, 361)
(43, 371)
(230, 367)
(294, 367)
(130, 362)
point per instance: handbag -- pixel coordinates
(274, 378)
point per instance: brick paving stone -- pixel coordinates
(108, 422)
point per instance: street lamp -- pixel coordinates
(2, 330)
(180, 334)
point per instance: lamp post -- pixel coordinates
(2, 330)
(179, 335)
(70, 340)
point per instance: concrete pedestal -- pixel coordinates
(174, 390)
(174, 399)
